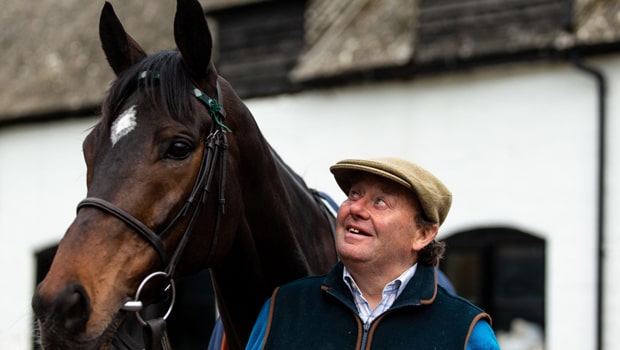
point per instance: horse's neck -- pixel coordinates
(282, 235)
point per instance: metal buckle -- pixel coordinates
(136, 304)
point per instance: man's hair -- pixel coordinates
(434, 251)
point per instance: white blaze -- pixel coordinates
(123, 125)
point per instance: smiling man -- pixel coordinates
(383, 294)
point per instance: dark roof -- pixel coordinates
(52, 63)
(51, 55)
(217, 5)
(348, 36)
(259, 44)
(354, 35)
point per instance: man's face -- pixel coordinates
(375, 226)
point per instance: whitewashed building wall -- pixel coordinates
(517, 145)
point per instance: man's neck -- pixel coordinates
(371, 282)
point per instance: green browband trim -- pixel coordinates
(212, 104)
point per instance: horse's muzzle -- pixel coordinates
(62, 316)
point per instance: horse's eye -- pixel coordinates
(179, 150)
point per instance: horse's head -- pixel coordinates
(156, 149)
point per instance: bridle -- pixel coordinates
(213, 159)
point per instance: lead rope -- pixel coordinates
(156, 335)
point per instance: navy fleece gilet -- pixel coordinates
(319, 313)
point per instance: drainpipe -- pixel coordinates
(601, 85)
(601, 92)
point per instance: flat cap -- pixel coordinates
(434, 196)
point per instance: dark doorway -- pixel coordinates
(501, 270)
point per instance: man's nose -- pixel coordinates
(359, 209)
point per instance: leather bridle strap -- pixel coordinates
(214, 152)
(215, 142)
(153, 239)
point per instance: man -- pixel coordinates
(383, 294)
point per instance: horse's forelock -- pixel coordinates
(166, 85)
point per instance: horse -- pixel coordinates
(179, 179)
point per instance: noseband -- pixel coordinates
(213, 159)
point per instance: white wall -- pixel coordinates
(517, 146)
(42, 178)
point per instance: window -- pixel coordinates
(502, 270)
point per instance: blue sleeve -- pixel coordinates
(260, 327)
(443, 281)
(482, 337)
(215, 342)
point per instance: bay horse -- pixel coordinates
(179, 179)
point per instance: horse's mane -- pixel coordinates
(165, 83)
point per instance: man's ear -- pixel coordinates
(425, 235)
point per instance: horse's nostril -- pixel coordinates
(74, 308)
(68, 311)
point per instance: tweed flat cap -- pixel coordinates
(434, 196)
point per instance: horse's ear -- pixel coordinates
(192, 37)
(121, 50)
